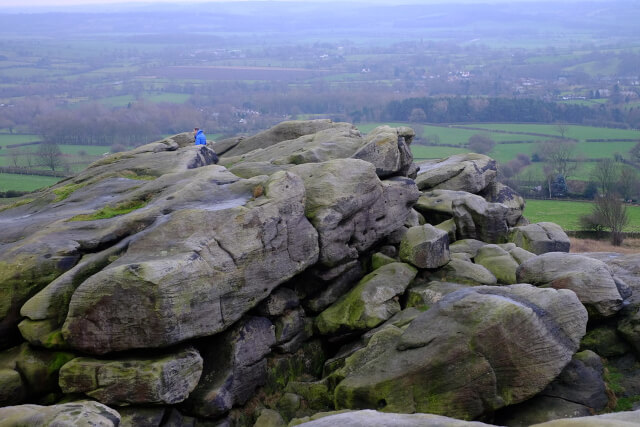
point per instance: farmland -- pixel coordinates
(567, 213)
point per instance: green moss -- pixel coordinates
(111, 211)
(129, 174)
(65, 191)
(16, 204)
(613, 378)
(626, 403)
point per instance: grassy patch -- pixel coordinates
(111, 211)
(10, 181)
(65, 191)
(567, 213)
(434, 152)
(16, 204)
(134, 175)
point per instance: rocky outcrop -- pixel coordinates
(163, 380)
(590, 279)
(83, 414)
(305, 272)
(469, 172)
(425, 246)
(452, 361)
(540, 238)
(371, 302)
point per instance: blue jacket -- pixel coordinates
(200, 138)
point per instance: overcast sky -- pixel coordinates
(52, 3)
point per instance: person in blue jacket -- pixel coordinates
(199, 137)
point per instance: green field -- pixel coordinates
(421, 152)
(9, 181)
(567, 213)
(8, 139)
(573, 131)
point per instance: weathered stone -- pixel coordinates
(629, 328)
(540, 238)
(131, 416)
(289, 325)
(276, 304)
(590, 279)
(370, 418)
(234, 366)
(460, 271)
(624, 266)
(497, 192)
(351, 208)
(285, 131)
(619, 419)
(166, 379)
(36, 368)
(539, 410)
(370, 303)
(379, 259)
(474, 217)
(216, 266)
(12, 388)
(288, 404)
(466, 355)
(425, 247)
(499, 262)
(81, 414)
(269, 418)
(581, 381)
(332, 289)
(467, 172)
(387, 149)
(467, 246)
(427, 294)
(605, 341)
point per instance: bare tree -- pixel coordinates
(628, 183)
(480, 143)
(562, 128)
(14, 155)
(50, 155)
(612, 214)
(28, 155)
(605, 175)
(560, 156)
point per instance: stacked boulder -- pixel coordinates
(313, 269)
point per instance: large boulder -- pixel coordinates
(497, 192)
(285, 131)
(540, 238)
(461, 271)
(388, 150)
(196, 272)
(351, 208)
(166, 379)
(502, 261)
(370, 418)
(578, 391)
(626, 267)
(234, 366)
(475, 351)
(474, 217)
(590, 279)
(368, 304)
(425, 246)
(469, 172)
(81, 414)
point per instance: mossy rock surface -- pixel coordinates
(370, 303)
(465, 356)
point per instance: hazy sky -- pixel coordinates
(52, 3)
